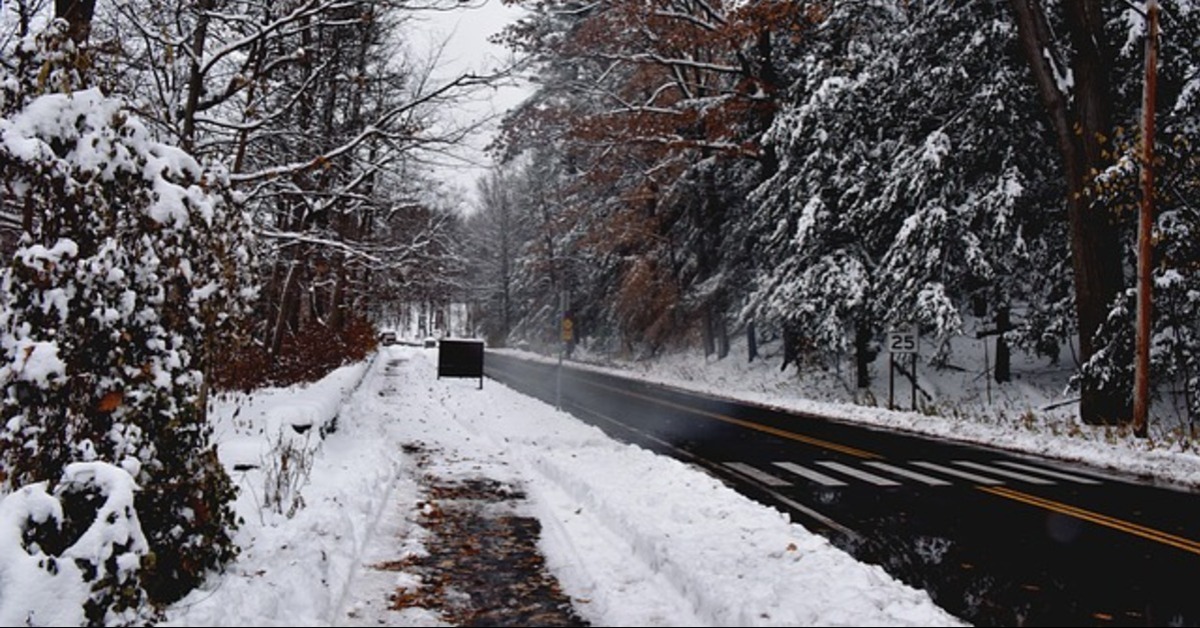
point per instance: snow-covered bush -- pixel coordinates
(69, 556)
(126, 268)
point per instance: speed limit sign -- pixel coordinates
(902, 340)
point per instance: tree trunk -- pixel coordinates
(1081, 119)
(195, 76)
(862, 354)
(789, 349)
(707, 329)
(337, 302)
(1003, 371)
(286, 305)
(751, 341)
(1145, 248)
(722, 337)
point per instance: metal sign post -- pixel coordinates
(891, 381)
(912, 404)
(568, 329)
(902, 340)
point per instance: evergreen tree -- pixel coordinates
(900, 196)
(126, 270)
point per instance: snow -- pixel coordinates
(633, 537)
(50, 599)
(30, 594)
(937, 146)
(35, 360)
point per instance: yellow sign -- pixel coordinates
(568, 330)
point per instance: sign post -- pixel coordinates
(460, 358)
(568, 332)
(902, 340)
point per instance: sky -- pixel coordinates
(633, 538)
(464, 32)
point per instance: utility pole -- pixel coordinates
(1141, 373)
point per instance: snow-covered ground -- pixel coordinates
(338, 486)
(633, 538)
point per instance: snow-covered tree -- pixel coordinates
(656, 132)
(126, 269)
(72, 554)
(1114, 190)
(323, 115)
(910, 182)
(496, 234)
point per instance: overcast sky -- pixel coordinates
(466, 31)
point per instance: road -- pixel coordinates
(996, 538)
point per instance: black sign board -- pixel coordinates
(460, 358)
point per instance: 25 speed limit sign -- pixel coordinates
(902, 340)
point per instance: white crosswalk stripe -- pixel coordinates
(755, 473)
(988, 474)
(1047, 472)
(856, 473)
(908, 473)
(1003, 472)
(815, 476)
(979, 479)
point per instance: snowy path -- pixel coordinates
(466, 427)
(634, 538)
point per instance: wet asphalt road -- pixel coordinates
(997, 538)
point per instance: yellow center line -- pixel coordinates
(1187, 545)
(774, 431)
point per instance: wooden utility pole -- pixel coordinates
(1141, 373)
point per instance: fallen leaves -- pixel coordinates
(481, 565)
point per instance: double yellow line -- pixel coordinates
(774, 431)
(1187, 545)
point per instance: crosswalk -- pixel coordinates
(834, 474)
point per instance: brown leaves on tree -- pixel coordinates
(635, 94)
(110, 401)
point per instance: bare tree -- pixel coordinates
(318, 110)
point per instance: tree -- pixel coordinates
(109, 301)
(900, 198)
(324, 120)
(681, 98)
(497, 232)
(1116, 190)
(1080, 111)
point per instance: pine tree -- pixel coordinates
(900, 197)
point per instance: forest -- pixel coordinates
(216, 195)
(821, 172)
(195, 197)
